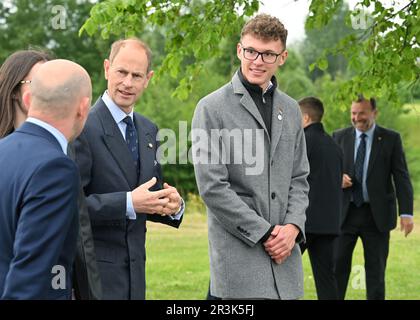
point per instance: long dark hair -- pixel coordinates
(12, 72)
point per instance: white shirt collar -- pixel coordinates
(55, 132)
(115, 110)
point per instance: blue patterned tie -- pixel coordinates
(358, 169)
(132, 141)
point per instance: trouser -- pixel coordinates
(359, 223)
(321, 250)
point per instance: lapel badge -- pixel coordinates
(150, 145)
(280, 115)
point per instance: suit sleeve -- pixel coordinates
(49, 207)
(214, 186)
(403, 186)
(101, 207)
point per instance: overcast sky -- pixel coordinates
(291, 13)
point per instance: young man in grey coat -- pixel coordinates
(251, 167)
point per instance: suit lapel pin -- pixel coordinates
(150, 146)
(280, 115)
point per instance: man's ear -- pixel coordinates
(283, 57)
(83, 110)
(27, 99)
(107, 64)
(305, 119)
(238, 51)
(148, 77)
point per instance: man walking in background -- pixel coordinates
(375, 176)
(323, 216)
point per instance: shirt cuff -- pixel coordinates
(130, 213)
(180, 212)
(406, 215)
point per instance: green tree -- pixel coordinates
(382, 56)
(52, 25)
(326, 37)
(292, 76)
(193, 29)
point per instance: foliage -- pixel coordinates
(319, 39)
(171, 113)
(292, 77)
(193, 29)
(29, 24)
(383, 55)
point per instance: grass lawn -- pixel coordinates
(178, 268)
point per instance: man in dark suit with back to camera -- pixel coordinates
(39, 186)
(116, 154)
(323, 216)
(375, 175)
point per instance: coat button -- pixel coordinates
(273, 195)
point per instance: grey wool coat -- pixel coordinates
(244, 198)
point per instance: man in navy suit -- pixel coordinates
(39, 186)
(121, 175)
(375, 176)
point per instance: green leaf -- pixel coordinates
(322, 63)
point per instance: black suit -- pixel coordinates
(373, 221)
(323, 215)
(108, 173)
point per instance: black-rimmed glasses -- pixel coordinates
(267, 57)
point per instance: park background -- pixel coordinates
(177, 260)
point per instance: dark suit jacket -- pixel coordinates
(108, 173)
(387, 167)
(38, 215)
(86, 279)
(323, 215)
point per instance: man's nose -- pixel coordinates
(259, 59)
(128, 81)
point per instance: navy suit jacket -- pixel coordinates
(38, 215)
(108, 173)
(387, 176)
